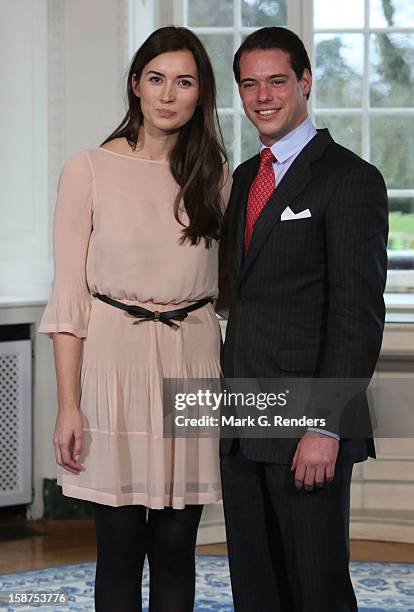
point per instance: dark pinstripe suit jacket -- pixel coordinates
(307, 300)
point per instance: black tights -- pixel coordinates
(124, 536)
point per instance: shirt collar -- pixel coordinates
(293, 142)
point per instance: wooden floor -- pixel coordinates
(60, 542)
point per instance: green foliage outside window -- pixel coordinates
(339, 84)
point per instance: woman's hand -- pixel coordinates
(67, 439)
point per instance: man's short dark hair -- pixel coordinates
(275, 38)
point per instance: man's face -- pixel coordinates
(273, 98)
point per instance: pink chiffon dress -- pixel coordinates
(115, 234)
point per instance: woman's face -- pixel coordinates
(169, 91)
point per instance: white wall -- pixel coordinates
(94, 60)
(63, 85)
(23, 143)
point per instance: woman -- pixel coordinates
(137, 225)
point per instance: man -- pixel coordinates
(305, 244)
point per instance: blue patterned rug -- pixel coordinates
(380, 587)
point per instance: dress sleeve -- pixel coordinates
(226, 184)
(69, 305)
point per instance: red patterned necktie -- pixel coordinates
(260, 191)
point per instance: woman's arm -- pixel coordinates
(66, 316)
(67, 438)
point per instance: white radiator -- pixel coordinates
(15, 423)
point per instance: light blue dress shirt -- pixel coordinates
(288, 148)
(286, 151)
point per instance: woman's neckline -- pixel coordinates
(152, 161)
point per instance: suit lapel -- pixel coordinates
(292, 184)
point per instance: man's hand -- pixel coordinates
(314, 460)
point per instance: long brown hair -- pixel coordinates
(197, 159)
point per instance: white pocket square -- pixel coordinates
(289, 215)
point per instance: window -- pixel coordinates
(222, 25)
(363, 58)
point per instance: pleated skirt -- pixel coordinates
(125, 455)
